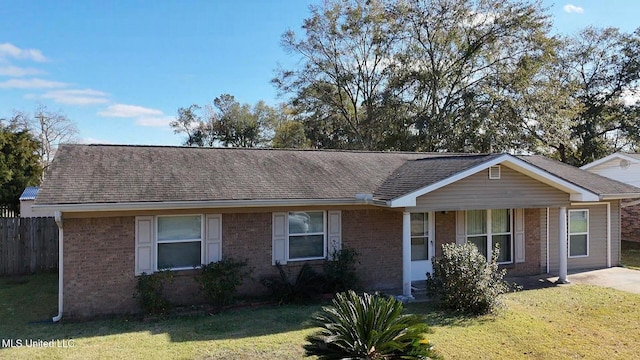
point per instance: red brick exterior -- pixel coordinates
(532, 249)
(99, 256)
(630, 221)
(377, 236)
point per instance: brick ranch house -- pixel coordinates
(623, 167)
(125, 210)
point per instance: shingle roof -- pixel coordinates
(94, 174)
(29, 193)
(593, 182)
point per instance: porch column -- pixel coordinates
(406, 254)
(562, 245)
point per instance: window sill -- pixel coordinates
(578, 256)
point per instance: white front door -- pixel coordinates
(422, 245)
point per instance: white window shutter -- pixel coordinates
(144, 256)
(279, 238)
(334, 232)
(519, 235)
(461, 228)
(213, 238)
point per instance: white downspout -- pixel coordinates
(58, 218)
(608, 234)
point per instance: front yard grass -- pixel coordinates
(631, 254)
(565, 322)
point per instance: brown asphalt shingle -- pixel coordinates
(86, 174)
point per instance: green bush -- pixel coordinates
(464, 281)
(150, 292)
(307, 285)
(368, 327)
(340, 273)
(220, 280)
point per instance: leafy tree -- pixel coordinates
(346, 66)
(603, 68)
(20, 164)
(227, 122)
(290, 134)
(462, 64)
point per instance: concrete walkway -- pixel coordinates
(616, 277)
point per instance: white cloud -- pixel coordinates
(10, 50)
(33, 83)
(128, 111)
(570, 8)
(77, 96)
(143, 116)
(154, 121)
(16, 71)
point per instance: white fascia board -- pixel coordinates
(609, 158)
(575, 192)
(199, 204)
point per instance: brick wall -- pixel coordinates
(377, 236)
(531, 265)
(98, 266)
(445, 229)
(630, 219)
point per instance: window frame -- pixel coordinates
(426, 227)
(323, 233)
(157, 242)
(489, 233)
(569, 233)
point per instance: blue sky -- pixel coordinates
(121, 69)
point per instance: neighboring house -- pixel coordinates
(26, 201)
(625, 168)
(134, 209)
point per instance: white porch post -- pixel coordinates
(406, 254)
(562, 245)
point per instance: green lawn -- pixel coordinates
(631, 254)
(568, 322)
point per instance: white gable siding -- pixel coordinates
(612, 170)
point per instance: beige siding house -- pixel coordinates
(136, 209)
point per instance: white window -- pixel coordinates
(578, 233)
(419, 236)
(488, 229)
(179, 241)
(307, 235)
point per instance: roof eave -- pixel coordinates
(178, 205)
(619, 196)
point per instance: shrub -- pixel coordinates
(368, 327)
(340, 273)
(307, 285)
(220, 280)
(465, 282)
(150, 292)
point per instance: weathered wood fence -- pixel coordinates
(28, 245)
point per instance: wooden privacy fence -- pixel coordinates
(28, 245)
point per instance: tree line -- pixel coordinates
(445, 75)
(27, 147)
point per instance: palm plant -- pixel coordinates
(368, 327)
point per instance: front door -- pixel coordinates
(422, 245)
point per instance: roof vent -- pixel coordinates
(494, 172)
(624, 164)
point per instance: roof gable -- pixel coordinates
(632, 158)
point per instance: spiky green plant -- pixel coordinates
(368, 327)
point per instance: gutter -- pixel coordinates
(359, 199)
(58, 218)
(619, 196)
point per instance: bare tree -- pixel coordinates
(51, 128)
